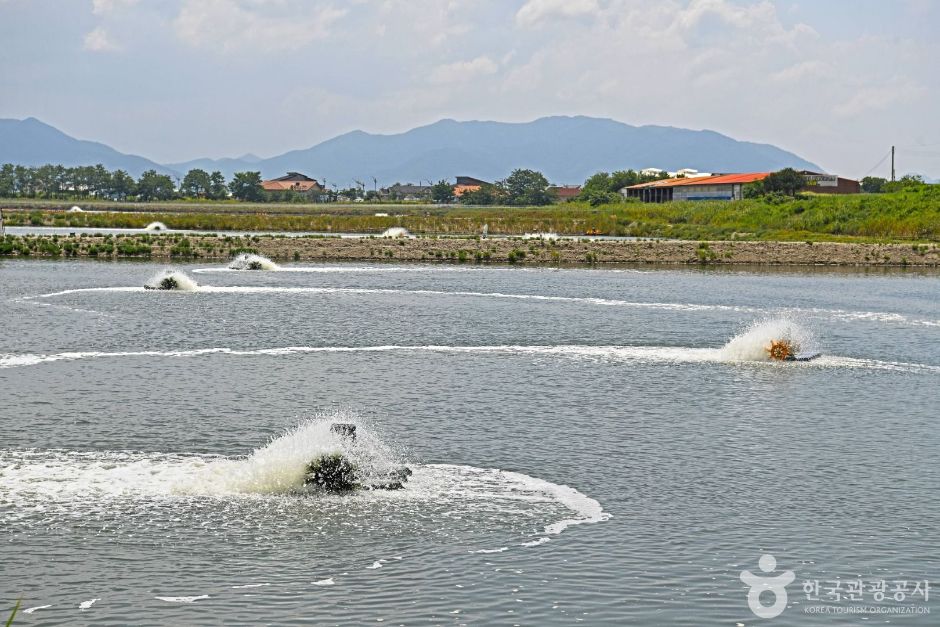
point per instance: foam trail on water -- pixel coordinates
(738, 354)
(588, 509)
(838, 314)
(192, 599)
(352, 269)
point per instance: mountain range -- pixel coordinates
(565, 149)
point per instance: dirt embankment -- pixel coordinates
(518, 251)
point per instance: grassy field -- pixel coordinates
(910, 215)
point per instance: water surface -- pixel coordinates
(586, 444)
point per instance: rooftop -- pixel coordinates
(716, 179)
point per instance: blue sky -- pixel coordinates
(837, 81)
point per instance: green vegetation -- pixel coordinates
(910, 214)
(16, 608)
(603, 188)
(442, 192)
(786, 182)
(247, 186)
(522, 188)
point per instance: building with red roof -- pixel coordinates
(715, 187)
(729, 187)
(292, 182)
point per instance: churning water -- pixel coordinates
(250, 261)
(595, 446)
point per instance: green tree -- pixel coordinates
(196, 184)
(7, 180)
(753, 190)
(597, 190)
(442, 192)
(247, 186)
(217, 188)
(25, 181)
(486, 195)
(873, 184)
(527, 188)
(786, 181)
(154, 186)
(121, 185)
(908, 181)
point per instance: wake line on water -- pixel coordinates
(730, 355)
(838, 314)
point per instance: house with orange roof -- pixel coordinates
(731, 186)
(715, 187)
(292, 182)
(467, 184)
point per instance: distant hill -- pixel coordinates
(33, 143)
(565, 149)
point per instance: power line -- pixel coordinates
(877, 165)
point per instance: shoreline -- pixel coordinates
(516, 251)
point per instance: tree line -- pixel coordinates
(56, 181)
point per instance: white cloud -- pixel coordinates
(535, 11)
(99, 7)
(464, 70)
(99, 41)
(879, 98)
(257, 25)
(802, 71)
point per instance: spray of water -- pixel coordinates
(155, 226)
(752, 343)
(249, 261)
(171, 280)
(548, 237)
(280, 466)
(396, 232)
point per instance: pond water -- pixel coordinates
(606, 446)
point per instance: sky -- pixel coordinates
(836, 81)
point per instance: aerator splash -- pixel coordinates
(785, 350)
(335, 472)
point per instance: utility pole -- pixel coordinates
(892, 164)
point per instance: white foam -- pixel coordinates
(183, 599)
(324, 582)
(375, 565)
(84, 605)
(751, 345)
(536, 542)
(30, 610)
(78, 479)
(550, 237)
(250, 585)
(740, 352)
(396, 232)
(587, 509)
(249, 261)
(501, 549)
(183, 283)
(837, 314)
